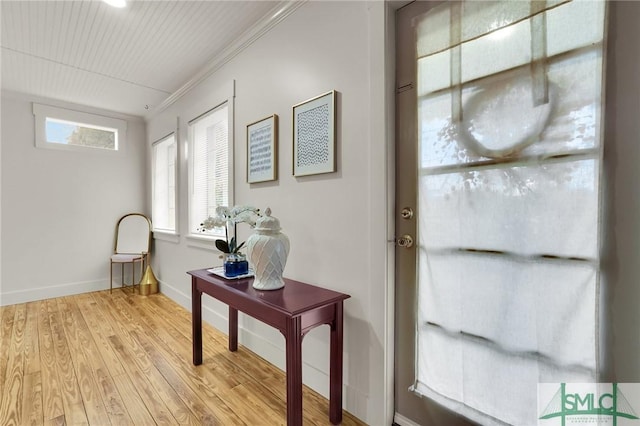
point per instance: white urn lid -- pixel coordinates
(268, 223)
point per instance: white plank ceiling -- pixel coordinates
(127, 60)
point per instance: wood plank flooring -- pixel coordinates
(121, 359)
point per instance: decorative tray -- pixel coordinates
(219, 271)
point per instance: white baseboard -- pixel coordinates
(401, 420)
(61, 290)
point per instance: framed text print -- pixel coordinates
(314, 135)
(262, 150)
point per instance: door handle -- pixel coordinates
(405, 241)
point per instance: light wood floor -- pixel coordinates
(122, 359)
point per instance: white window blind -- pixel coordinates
(209, 137)
(509, 105)
(164, 184)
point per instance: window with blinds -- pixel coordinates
(210, 166)
(164, 184)
(510, 110)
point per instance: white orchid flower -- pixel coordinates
(213, 222)
(245, 216)
(225, 217)
(223, 212)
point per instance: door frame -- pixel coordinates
(382, 54)
(382, 63)
(405, 82)
(382, 111)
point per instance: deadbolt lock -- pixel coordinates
(405, 241)
(407, 213)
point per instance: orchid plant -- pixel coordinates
(226, 217)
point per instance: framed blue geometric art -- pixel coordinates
(314, 135)
(262, 150)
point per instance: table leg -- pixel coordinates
(233, 329)
(294, 371)
(196, 322)
(335, 369)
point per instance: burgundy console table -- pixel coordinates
(294, 310)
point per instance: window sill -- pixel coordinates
(202, 242)
(166, 236)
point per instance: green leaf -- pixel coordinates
(222, 246)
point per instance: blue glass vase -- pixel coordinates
(235, 265)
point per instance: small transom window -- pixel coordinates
(60, 128)
(81, 134)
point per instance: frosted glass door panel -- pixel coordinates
(509, 165)
(572, 122)
(508, 302)
(491, 210)
(462, 369)
(494, 41)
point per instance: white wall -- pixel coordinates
(337, 223)
(59, 208)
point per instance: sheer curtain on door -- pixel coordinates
(510, 100)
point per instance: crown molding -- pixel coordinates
(277, 15)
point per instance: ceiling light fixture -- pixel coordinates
(116, 3)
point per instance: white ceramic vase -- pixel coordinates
(267, 251)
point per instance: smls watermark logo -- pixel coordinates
(588, 404)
